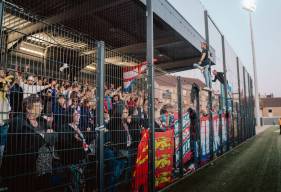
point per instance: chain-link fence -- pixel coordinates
(78, 114)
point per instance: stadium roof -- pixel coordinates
(122, 25)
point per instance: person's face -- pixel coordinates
(145, 108)
(76, 118)
(53, 83)
(214, 72)
(75, 101)
(36, 110)
(115, 98)
(30, 82)
(88, 94)
(76, 89)
(125, 113)
(61, 101)
(40, 82)
(203, 46)
(88, 104)
(61, 89)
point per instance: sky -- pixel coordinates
(233, 21)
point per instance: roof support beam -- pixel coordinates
(84, 8)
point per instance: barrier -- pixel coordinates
(80, 114)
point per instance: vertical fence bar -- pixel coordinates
(150, 56)
(237, 122)
(239, 126)
(1, 32)
(232, 124)
(225, 92)
(220, 124)
(100, 113)
(210, 105)
(180, 120)
(250, 106)
(245, 106)
(197, 126)
(253, 108)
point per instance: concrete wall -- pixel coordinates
(270, 120)
(276, 112)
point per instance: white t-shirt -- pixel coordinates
(31, 89)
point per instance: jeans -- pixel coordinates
(115, 168)
(222, 97)
(3, 140)
(207, 75)
(128, 169)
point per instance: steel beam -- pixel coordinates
(150, 63)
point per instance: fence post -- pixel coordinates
(220, 125)
(180, 124)
(210, 104)
(1, 32)
(197, 142)
(225, 92)
(245, 106)
(239, 126)
(150, 57)
(100, 113)
(232, 123)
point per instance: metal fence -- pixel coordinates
(79, 115)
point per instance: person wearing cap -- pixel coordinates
(30, 88)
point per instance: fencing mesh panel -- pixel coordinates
(166, 129)
(49, 89)
(233, 92)
(126, 118)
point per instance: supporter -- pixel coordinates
(4, 110)
(48, 102)
(72, 143)
(218, 76)
(16, 97)
(31, 161)
(60, 112)
(205, 66)
(75, 101)
(131, 103)
(86, 124)
(117, 105)
(30, 88)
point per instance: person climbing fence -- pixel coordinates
(204, 65)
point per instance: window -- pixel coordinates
(269, 110)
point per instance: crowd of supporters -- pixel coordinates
(48, 135)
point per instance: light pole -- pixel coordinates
(250, 7)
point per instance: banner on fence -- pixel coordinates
(204, 132)
(140, 174)
(187, 153)
(164, 150)
(216, 125)
(130, 74)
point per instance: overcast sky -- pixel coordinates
(233, 22)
